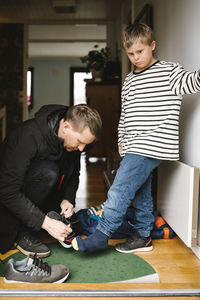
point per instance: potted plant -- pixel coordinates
(96, 61)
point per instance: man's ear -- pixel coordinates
(66, 126)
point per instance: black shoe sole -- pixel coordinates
(25, 252)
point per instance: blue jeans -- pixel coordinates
(132, 183)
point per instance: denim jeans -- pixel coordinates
(132, 183)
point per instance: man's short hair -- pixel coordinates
(82, 116)
(137, 32)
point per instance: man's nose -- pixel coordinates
(81, 147)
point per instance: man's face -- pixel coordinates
(140, 55)
(74, 140)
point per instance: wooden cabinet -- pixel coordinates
(106, 99)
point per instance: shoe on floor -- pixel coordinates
(32, 269)
(135, 243)
(27, 243)
(74, 223)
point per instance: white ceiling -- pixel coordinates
(64, 33)
(71, 41)
(60, 50)
(76, 31)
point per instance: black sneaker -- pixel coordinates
(32, 269)
(27, 243)
(74, 223)
(135, 243)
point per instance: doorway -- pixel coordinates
(78, 84)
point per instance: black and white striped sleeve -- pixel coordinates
(121, 127)
(183, 82)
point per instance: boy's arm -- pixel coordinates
(121, 120)
(183, 82)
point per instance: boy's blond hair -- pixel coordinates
(137, 32)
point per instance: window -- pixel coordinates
(30, 87)
(77, 92)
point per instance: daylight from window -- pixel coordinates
(79, 86)
(29, 100)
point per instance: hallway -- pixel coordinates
(176, 264)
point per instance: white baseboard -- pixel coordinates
(196, 251)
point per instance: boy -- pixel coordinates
(148, 133)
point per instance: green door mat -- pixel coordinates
(99, 267)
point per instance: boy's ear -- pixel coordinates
(153, 45)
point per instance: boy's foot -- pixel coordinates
(27, 243)
(96, 241)
(74, 223)
(135, 243)
(33, 269)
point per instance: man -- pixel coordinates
(39, 167)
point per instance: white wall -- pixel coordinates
(176, 27)
(51, 82)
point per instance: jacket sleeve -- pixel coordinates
(18, 151)
(71, 181)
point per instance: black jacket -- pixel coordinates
(34, 139)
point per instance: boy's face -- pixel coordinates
(140, 55)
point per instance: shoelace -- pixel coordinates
(40, 264)
(67, 222)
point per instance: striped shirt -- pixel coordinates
(151, 102)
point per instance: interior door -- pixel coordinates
(177, 199)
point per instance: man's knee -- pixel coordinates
(51, 176)
(44, 171)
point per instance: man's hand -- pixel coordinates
(66, 208)
(56, 229)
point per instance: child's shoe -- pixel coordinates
(135, 243)
(74, 223)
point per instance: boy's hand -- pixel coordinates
(120, 149)
(66, 208)
(56, 229)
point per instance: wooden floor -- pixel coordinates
(176, 264)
